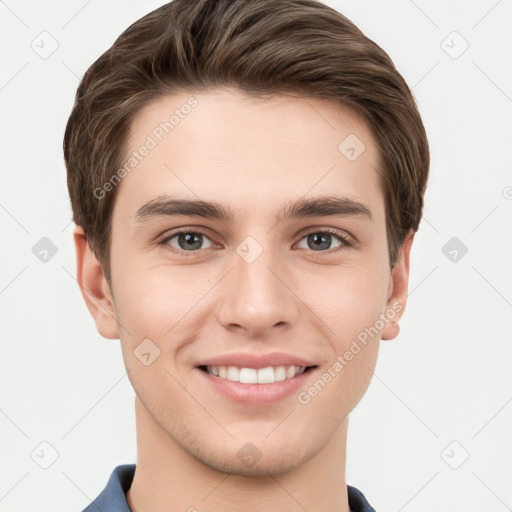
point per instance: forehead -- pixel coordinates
(248, 153)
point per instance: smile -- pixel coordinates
(267, 375)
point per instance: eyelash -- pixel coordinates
(346, 242)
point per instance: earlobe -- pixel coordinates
(94, 287)
(398, 290)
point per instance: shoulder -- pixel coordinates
(357, 501)
(112, 498)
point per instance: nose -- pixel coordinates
(258, 296)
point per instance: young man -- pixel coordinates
(246, 178)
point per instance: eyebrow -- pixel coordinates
(165, 206)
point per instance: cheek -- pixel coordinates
(153, 302)
(348, 300)
(162, 312)
(354, 311)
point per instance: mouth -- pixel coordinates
(245, 375)
(253, 379)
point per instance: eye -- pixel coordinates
(322, 240)
(187, 241)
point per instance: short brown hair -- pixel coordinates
(259, 47)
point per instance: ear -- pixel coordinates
(94, 287)
(398, 288)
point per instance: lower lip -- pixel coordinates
(257, 394)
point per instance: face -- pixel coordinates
(251, 281)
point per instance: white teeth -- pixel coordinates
(248, 376)
(267, 375)
(233, 373)
(279, 373)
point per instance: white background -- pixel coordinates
(442, 391)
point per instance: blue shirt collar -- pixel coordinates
(113, 499)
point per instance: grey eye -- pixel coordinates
(321, 241)
(189, 241)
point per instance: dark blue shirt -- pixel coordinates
(113, 499)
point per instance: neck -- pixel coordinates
(168, 479)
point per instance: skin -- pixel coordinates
(253, 156)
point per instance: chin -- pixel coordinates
(258, 459)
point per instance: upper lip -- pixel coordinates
(256, 361)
